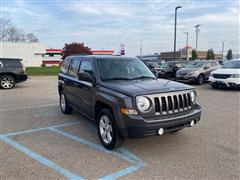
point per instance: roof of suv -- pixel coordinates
(104, 57)
(10, 59)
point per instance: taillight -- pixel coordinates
(24, 67)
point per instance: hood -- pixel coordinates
(226, 71)
(188, 70)
(141, 87)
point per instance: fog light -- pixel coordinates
(160, 131)
(192, 123)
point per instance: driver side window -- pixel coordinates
(85, 71)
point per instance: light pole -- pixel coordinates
(197, 30)
(175, 29)
(223, 41)
(187, 57)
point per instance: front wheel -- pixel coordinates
(65, 108)
(108, 131)
(200, 79)
(7, 82)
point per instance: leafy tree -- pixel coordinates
(194, 54)
(229, 54)
(75, 48)
(210, 54)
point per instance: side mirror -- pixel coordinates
(86, 77)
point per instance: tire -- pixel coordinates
(200, 79)
(64, 106)
(168, 76)
(107, 130)
(7, 82)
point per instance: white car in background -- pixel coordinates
(226, 76)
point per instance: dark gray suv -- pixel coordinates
(12, 71)
(124, 98)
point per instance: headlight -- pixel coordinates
(143, 103)
(235, 76)
(193, 96)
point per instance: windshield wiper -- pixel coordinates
(116, 78)
(143, 77)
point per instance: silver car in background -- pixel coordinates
(197, 71)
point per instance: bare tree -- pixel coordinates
(4, 26)
(30, 37)
(11, 33)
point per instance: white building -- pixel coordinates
(31, 53)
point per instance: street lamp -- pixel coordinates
(197, 30)
(175, 29)
(187, 58)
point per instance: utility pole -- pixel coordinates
(197, 30)
(187, 57)
(223, 41)
(175, 29)
(140, 47)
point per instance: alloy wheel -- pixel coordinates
(106, 130)
(7, 82)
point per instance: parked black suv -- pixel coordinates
(168, 69)
(12, 71)
(124, 98)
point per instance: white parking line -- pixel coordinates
(28, 107)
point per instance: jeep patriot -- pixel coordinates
(124, 98)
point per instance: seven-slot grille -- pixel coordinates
(172, 103)
(221, 76)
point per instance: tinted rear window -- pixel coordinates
(12, 63)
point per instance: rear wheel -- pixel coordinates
(168, 76)
(200, 79)
(108, 131)
(65, 108)
(7, 82)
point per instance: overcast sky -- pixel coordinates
(107, 24)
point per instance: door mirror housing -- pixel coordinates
(86, 76)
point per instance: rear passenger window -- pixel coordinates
(73, 70)
(214, 64)
(65, 66)
(13, 63)
(1, 65)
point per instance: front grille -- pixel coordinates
(172, 103)
(221, 76)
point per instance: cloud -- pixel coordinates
(106, 24)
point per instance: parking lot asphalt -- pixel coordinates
(39, 142)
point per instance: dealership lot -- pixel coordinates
(39, 142)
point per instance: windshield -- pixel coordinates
(194, 64)
(126, 69)
(167, 65)
(232, 65)
(153, 65)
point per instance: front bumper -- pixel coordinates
(229, 82)
(186, 78)
(137, 126)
